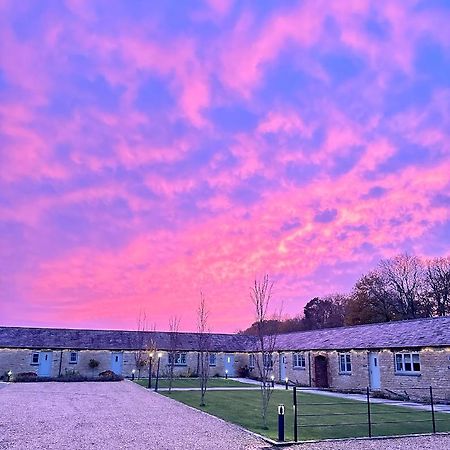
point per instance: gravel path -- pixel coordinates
(108, 416)
(437, 442)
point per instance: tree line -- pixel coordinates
(399, 288)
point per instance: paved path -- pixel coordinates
(109, 416)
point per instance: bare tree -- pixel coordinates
(174, 327)
(140, 354)
(266, 336)
(438, 284)
(404, 275)
(203, 347)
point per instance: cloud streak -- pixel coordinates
(148, 154)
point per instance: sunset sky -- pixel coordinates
(153, 149)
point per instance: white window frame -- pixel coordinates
(404, 363)
(345, 363)
(251, 361)
(180, 358)
(212, 358)
(33, 362)
(70, 357)
(298, 360)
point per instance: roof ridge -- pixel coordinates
(391, 322)
(112, 330)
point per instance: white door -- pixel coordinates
(282, 367)
(229, 364)
(374, 371)
(45, 364)
(116, 362)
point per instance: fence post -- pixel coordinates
(281, 423)
(432, 410)
(369, 420)
(295, 414)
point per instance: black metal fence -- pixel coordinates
(319, 415)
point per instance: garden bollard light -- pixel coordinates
(272, 379)
(226, 374)
(157, 371)
(9, 375)
(286, 380)
(281, 423)
(132, 374)
(150, 359)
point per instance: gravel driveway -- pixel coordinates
(437, 442)
(123, 415)
(108, 416)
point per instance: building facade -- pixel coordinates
(406, 356)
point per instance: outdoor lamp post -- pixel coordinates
(226, 374)
(150, 359)
(132, 374)
(9, 375)
(157, 371)
(272, 379)
(286, 380)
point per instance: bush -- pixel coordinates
(25, 377)
(109, 375)
(93, 363)
(243, 372)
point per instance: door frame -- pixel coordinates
(321, 379)
(48, 354)
(229, 364)
(113, 363)
(282, 366)
(374, 363)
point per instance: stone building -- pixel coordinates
(399, 356)
(53, 352)
(395, 356)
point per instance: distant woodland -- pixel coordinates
(399, 288)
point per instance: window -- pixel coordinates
(298, 360)
(35, 358)
(73, 358)
(268, 361)
(252, 361)
(212, 359)
(179, 359)
(345, 363)
(407, 363)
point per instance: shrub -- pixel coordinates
(109, 375)
(24, 377)
(93, 363)
(243, 372)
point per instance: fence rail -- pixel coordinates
(380, 416)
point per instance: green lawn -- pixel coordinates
(243, 408)
(194, 383)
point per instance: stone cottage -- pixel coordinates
(395, 356)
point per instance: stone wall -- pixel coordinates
(20, 360)
(435, 371)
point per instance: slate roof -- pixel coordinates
(57, 338)
(433, 332)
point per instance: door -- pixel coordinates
(45, 364)
(374, 371)
(321, 371)
(282, 367)
(229, 364)
(116, 362)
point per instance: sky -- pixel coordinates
(153, 150)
